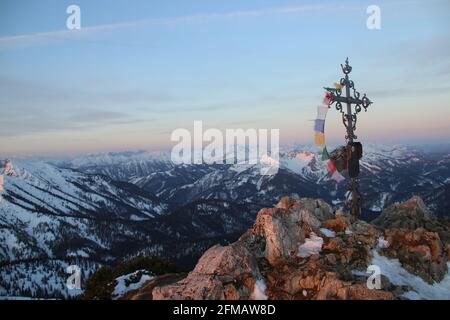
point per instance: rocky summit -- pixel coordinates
(302, 250)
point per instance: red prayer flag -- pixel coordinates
(331, 166)
(328, 99)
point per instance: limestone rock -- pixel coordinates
(222, 273)
(285, 226)
(419, 251)
(411, 215)
(339, 224)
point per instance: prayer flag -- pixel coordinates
(338, 86)
(325, 155)
(331, 166)
(319, 126)
(319, 139)
(328, 99)
(322, 112)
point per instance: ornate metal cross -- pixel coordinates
(349, 119)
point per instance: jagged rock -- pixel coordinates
(416, 238)
(287, 203)
(340, 224)
(319, 209)
(313, 281)
(285, 227)
(280, 232)
(420, 252)
(222, 273)
(333, 288)
(368, 232)
(411, 215)
(350, 251)
(334, 244)
(361, 292)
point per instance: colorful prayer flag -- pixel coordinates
(319, 139)
(338, 86)
(331, 90)
(322, 112)
(328, 99)
(325, 154)
(331, 166)
(319, 128)
(319, 125)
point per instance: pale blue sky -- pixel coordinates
(140, 69)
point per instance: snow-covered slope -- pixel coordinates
(48, 213)
(50, 216)
(66, 192)
(121, 165)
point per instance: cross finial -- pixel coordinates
(346, 68)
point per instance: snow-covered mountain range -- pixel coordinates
(389, 174)
(96, 210)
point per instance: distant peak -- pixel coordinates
(7, 168)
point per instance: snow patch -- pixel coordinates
(397, 275)
(259, 290)
(328, 233)
(312, 245)
(78, 253)
(379, 205)
(125, 283)
(382, 243)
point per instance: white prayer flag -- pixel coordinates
(322, 112)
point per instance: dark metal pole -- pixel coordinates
(353, 184)
(349, 110)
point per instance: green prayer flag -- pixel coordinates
(332, 90)
(325, 155)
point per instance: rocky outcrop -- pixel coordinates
(281, 229)
(420, 252)
(416, 238)
(266, 260)
(340, 224)
(222, 273)
(410, 215)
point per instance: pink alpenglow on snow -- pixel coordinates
(312, 245)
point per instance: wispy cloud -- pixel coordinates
(10, 42)
(30, 108)
(40, 121)
(26, 40)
